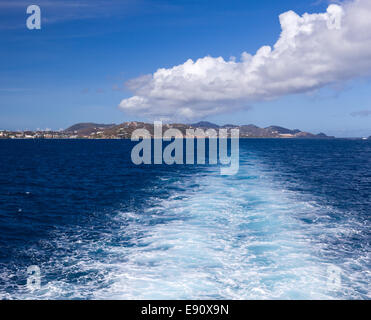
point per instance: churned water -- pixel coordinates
(99, 227)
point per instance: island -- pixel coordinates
(124, 131)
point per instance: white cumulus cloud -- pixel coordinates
(313, 50)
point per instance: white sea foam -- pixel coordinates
(228, 238)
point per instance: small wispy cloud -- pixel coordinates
(55, 3)
(58, 11)
(13, 90)
(361, 113)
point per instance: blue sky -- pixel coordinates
(75, 68)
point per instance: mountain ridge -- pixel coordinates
(125, 130)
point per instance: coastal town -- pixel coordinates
(34, 135)
(125, 130)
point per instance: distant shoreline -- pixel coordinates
(241, 138)
(124, 131)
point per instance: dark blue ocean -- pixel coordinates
(99, 227)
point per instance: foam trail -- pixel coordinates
(215, 237)
(232, 238)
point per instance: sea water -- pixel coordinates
(99, 227)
